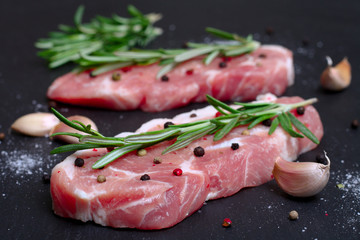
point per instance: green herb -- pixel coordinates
(248, 114)
(169, 58)
(101, 37)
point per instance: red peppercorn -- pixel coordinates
(126, 69)
(177, 172)
(190, 72)
(218, 114)
(226, 223)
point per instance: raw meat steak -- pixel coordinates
(268, 69)
(163, 201)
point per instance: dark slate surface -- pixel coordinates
(331, 28)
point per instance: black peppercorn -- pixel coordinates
(46, 178)
(262, 55)
(267, 122)
(355, 124)
(320, 158)
(145, 177)
(305, 42)
(165, 78)
(269, 31)
(199, 151)
(167, 124)
(222, 65)
(300, 110)
(193, 115)
(92, 75)
(79, 162)
(234, 146)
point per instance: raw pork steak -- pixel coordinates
(163, 201)
(268, 69)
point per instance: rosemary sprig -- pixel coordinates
(170, 58)
(249, 114)
(101, 36)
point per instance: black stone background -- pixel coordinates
(331, 28)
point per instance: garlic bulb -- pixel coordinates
(301, 179)
(338, 77)
(35, 124)
(62, 127)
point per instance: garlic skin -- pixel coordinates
(35, 124)
(301, 179)
(62, 127)
(338, 77)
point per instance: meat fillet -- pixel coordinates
(124, 200)
(267, 69)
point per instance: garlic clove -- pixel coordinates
(301, 179)
(338, 77)
(62, 127)
(35, 124)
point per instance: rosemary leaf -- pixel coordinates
(260, 119)
(274, 125)
(194, 53)
(286, 125)
(211, 57)
(226, 129)
(114, 154)
(75, 147)
(302, 128)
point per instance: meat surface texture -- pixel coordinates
(124, 200)
(267, 69)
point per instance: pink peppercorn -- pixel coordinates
(177, 172)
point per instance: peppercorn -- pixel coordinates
(320, 158)
(141, 152)
(300, 110)
(226, 223)
(79, 162)
(267, 122)
(355, 124)
(293, 215)
(222, 65)
(109, 149)
(145, 177)
(116, 76)
(165, 78)
(157, 160)
(46, 178)
(245, 132)
(92, 75)
(52, 104)
(305, 42)
(199, 151)
(193, 115)
(190, 72)
(269, 31)
(177, 172)
(2, 136)
(234, 146)
(167, 124)
(262, 55)
(101, 179)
